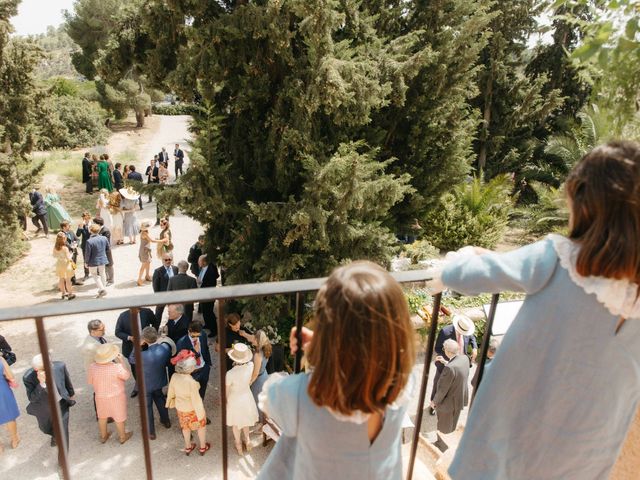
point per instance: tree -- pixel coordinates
(18, 58)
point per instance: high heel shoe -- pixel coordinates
(204, 449)
(140, 283)
(126, 437)
(239, 448)
(187, 451)
(64, 295)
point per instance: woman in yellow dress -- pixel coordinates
(64, 266)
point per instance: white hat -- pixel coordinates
(129, 193)
(106, 353)
(240, 353)
(463, 325)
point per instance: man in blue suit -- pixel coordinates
(155, 360)
(196, 341)
(462, 332)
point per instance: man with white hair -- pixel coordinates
(462, 332)
(36, 382)
(452, 390)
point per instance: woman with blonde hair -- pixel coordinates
(108, 375)
(184, 396)
(102, 205)
(144, 254)
(56, 213)
(164, 239)
(64, 266)
(261, 357)
(242, 411)
(117, 218)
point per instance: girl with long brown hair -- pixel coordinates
(565, 384)
(64, 266)
(344, 419)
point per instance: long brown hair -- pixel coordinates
(61, 241)
(604, 193)
(362, 350)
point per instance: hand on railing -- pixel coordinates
(307, 335)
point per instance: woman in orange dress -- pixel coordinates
(107, 375)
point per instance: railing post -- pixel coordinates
(222, 360)
(142, 389)
(297, 364)
(54, 406)
(431, 339)
(485, 341)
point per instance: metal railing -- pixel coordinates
(221, 294)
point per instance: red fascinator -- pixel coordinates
(182, 355)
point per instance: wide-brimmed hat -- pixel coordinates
(145, 226)
(106, 353)
(240, 353)
(129, 193)
(464, 325)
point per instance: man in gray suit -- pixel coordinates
(183, 281)
(452, 392)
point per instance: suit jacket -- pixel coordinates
(176, 329)
(185, 344)
(137, 176)
(118, 181)
(84, 234)
(453, 393)
(106, 233)
(194, 253)
(38, 399)
(38, 206)
(182, 281)
(210, 276)
(449, 332)
(123, 327)
(160, 280)
(155, 361)
(86, 170)
(152, 172)
(96, 251)
(179, 155)
(164, 156)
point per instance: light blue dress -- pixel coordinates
(256, 386)
(316, 446)
(8, 406)
(562, 389)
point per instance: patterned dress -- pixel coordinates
(108, 381)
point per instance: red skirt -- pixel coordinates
(189, 421)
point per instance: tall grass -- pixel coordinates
(63, 163)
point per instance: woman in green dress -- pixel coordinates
(55, 211)
(104, 176)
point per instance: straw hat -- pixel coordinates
(106, 353)
(240, 353)
(129, 193)
(144, 226)
(463, 325)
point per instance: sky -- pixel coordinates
(35, 15)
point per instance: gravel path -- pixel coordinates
(34, 458)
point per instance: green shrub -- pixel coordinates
(70, 122)
(420, 250)
(474, 213)
(177, 109)
(549, 214)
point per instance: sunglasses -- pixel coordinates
(167, 259)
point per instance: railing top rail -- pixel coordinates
(183, 296)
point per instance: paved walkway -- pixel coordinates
(34, 458)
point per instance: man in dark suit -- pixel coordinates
(461, 331)
(39, 210)
(207, 277)
(152, 174)
(106, 233)
(118, 180)
(161, 277)
(124, 333)
(182, 281)
(196, 341)
(178, 323)
(137, 177)
(36, 382)
(453, 394)
(155, 360)
(178, 155)
(83, 233)
(163, 156)
(86, 172)
(194, 254)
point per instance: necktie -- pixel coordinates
(460, 340)
(169, 272)
(102, 340)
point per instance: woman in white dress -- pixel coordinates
(103, 207)
(117, 218)
(242, 411)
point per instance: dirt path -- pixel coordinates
(31, 280)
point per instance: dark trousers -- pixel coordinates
(89, 186)
(209, 318)
(160, 400)
(159, 312)
(46, 423)
(439, 368)
(140, 201)
(188, 311)
(40, 221)
(178, 167)
(202, 377)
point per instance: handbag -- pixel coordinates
(73, 265)
(9, 356)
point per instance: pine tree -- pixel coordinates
(18, 59)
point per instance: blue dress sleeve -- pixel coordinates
(527, 269)
(282, 399)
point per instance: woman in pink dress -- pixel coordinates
(107, 376)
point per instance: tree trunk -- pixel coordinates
(140, 119)
(484, 137)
